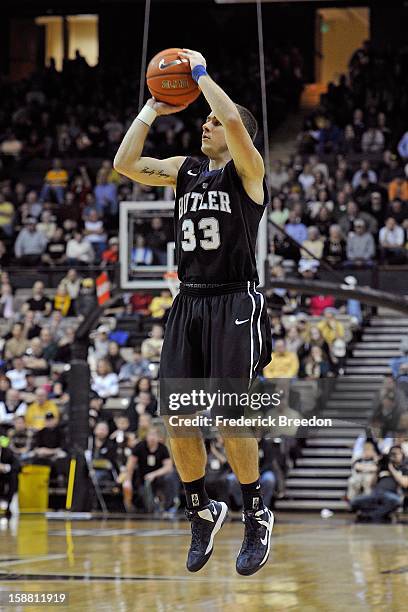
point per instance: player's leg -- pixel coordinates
(181, 360)
(244, 324)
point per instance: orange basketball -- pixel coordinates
(169, 78)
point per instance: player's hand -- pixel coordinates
(194, 57)
(162, 108)
(150, 477)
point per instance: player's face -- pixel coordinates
(213, 141)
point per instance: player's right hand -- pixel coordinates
(162, 108)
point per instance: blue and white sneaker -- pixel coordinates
(255, 548)
(205, 524)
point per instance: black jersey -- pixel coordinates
(216, 225)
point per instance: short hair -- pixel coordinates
(248, 120)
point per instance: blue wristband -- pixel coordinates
(198, 71)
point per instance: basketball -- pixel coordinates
(169, 79)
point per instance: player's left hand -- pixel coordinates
(194, 57)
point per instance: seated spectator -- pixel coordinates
(47, 225)
(364, 169)
(101, 342)
(48, 446)
(64, 346)
(150, 467)
(137, 367)
(72, 283)
(392, 241)
(372, 140)
(55, 182)
(313, 244)
(399, 211)
(38, 302)
(20, 437)
(62, 300)
(397, 362)
(30, 244)
(157, 239)
(31, 327)
(7, 215)
(106, 195)
(11, 407)
(278, 176)
(315, 365)
(105, 382)
(5, 385)
(8, 477)
(86, 301)
(353, 214)
(279, 213)
(160, 304)
(55, 251)
(398, 189)
(319, 303)
(363, 471)
(95, 234)
(37, 411)
(141, 254)
(34, 359)
(360, 246)
(124, 439)
(49, 347)
(314, 206)
(306, 178)
(79, 251)
(329, 327)
(293, 339)
(295, 228)
(385, 498)
(151, 347)
(17, 345)
(111, 255)
(18, 374)
(313, 338)
(387, 415)
(284, 364)
(114, 357)
(6, 301)
(104, 454)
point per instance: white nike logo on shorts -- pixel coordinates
(192, 173)
(241, 322)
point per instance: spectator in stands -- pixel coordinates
(313, 244)
(392, 240)
(48, 446)
(38, 302)
(141, 254)
(111, 255)
(47, 225)
(62, 300)
(64, 346)
(106, 196)
(155, 470)
(55, 251)
(385, 497)
(293, 339)
(79, 251)
(17, 344)
(403, 146)
(397, 362)
(104, 454)
(157, 240)
(313, 337)
(360, 246)
(295, 228)
(329, 327)
(353, 213)
(30, 244)
(8, 476)
(315, 365)
(372, 140)
(334, 249)
(365, 169)
(95, 234)
(37, 411)
(363, 471)
(151, 347)
(31, 324)
(6, 301)
(278, 176)
(34, 359)
(49, 347)
(137, 367)
(55, 182)
(279, 213)
(11, 407)
(86, 301)
(7, 215)
(105, 382)
(160, 304)
(284, 364)
(387, 415)
(114, 357)
(19, 436)
(72, 283)
(18, 374)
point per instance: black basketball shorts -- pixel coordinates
(220, 332)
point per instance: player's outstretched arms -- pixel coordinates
(247, 159)
(147, 170)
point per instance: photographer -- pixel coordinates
(385, 498)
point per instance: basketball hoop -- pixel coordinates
(173, 282)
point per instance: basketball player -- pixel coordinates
(217, 327)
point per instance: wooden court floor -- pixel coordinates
(128, 565)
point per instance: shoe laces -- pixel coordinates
(253, 526)
(198, 527)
